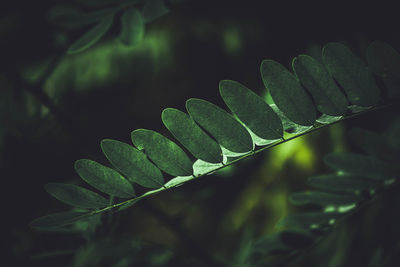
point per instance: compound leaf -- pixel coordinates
(132, 163)
(228, 132)
(104, 179)
(287, 93)
(76, 196)
(167, 155)
(191, 136)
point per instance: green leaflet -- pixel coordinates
(167, 155)
(153, 9)
(342, 183)
(384, 61)
(361, 165)
(322, 198)
(270, 244)
(317, 80)
(132, 27)
(92, 36)
(228, 132)
(76, 196)
(288, 125)
(178, 181)
(251, 109)
(287, 93)
(58, 219)
(132, 163)
(351, 73)
(191, 136)
(104, 179)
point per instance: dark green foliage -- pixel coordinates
(167, 155)
(257, 115)
(316, 79)
(322, 199)
(76, 196)
(104, 179)
(352, 74)
(153, 9)
(192, 137)
(361, 165)
(222, 126)
(384, 61)
(217, 139)
(132, 27)
(56, 220)
(132, 163)
(92, 36)
(289, 96)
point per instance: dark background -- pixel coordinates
(193, 47)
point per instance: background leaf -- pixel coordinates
(316, 79)
(384, 61)
(251, 109)
(351, 73)
(132, 163)
(104, 179)
(342, 183)
(287, 93)
(57, 219)
(167, 155)
(361, 165)
(191, 136)
(76, 196)
(132, 27)
(153, 9)
(322, 198)
(228, 132)
(92, 36)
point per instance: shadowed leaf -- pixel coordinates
(342, 183)
(92, 36)
(322, 198)
(384, 61)
(76, 196)
(352, 74)
(287, 93)
(361, 165)
(317, 80)
(56, 220)
(153, 9)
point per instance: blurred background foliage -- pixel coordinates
(56, 107)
